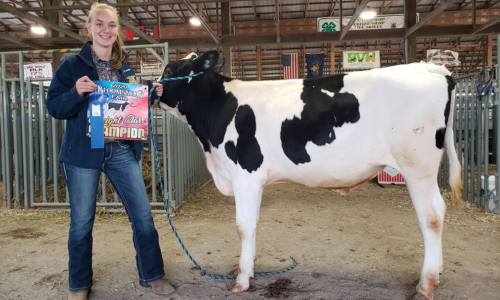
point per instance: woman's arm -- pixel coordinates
(63, 100)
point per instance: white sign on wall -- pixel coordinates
(39, 70)
(151, 67)
(445, 58)
(361, 59)
(332, 24)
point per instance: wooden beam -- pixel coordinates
(277, 16)
(486, 25)
(182, 18)
(383, 9)
(307, 8)
(255, 10)
(259, 63)
(442, 7)
(193, 11)
(489, 51)
(332, 9)
(358, 11)
(410, 17)
(225, 30)
(19, 41)
(332, 57)
(11, 9)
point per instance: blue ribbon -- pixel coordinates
(96, 125)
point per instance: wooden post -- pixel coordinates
(226, 29)
(410, 15)
(489, 51)
(259, 64)
(332, 57)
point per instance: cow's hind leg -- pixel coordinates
(430, 208)
(248, 200)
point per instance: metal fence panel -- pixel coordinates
(476, 127)
(29, 149)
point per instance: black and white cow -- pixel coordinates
(334, 132)
(118, 106)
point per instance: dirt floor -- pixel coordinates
(367, 245)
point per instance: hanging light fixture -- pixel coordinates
(37, 29)
(195, 21)
(368, 13)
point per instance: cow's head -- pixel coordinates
(177, 91)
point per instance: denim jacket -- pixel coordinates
(64, 103)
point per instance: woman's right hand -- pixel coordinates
(84, 85)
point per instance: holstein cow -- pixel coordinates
(334, 132)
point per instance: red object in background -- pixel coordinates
(390, 175)
(150, 30)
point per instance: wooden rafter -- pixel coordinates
(360, 8)
(254, 10)
(492, 3)
(486, 25)
(307, 8)
(383, 9)
(20, 13)
(332, 8)
(182, 18)
(17, 40)
(442, 7)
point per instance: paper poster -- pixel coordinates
(41, 70)
(125, 109)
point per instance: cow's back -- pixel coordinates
(339, 130)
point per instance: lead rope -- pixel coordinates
(165, 202)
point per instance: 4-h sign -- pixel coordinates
(331, 24)
(361, 59)
(328, 27)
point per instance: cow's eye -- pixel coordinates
(168, 72)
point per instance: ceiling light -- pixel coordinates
(38, 29)
(368, 13)
(195, 21)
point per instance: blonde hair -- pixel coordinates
(117, 56)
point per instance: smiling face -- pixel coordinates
(104, 27)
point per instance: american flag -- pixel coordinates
(290, 64)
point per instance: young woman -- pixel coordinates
(101, 58)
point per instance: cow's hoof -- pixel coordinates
(419, 296)
(238, 288)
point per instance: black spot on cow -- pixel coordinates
(320, 115)
(231, 151)
(441, 132)
(247, 150)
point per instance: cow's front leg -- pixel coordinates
(248, 200)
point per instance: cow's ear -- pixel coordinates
(206, 62)
(218, 66)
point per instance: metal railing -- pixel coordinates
(29, 148)
(476, 127)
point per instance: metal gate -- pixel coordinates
(29, 148)
(476, 126)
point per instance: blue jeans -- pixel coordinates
(125, 175)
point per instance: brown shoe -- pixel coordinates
(160, 287)
(78, 295)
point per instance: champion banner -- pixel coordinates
(290, 63)
(315, 64)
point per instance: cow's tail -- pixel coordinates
(455, 179)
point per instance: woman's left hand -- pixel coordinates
(158, 89)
